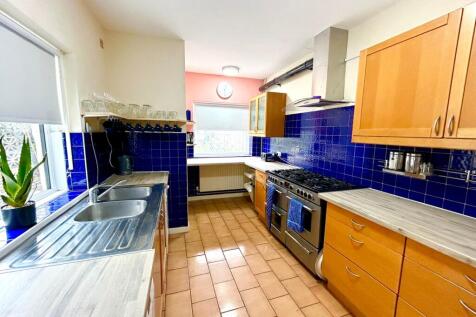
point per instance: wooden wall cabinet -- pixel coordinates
(419, 88)
(260, 195)
(267, 112)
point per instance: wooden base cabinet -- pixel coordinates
(260, 195)
(419, 88)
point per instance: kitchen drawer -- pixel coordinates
(457, 272)
(260, 177)
(376, 259)
(434, 295)
(390, 239)
(361, 294)
(406, 310)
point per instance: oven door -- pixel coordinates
(313, 222)
(278, 226)
(281, 198)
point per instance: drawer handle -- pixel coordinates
(355, 241)
(351, 273)
(469, 309)
(357, 226)
(470, 279)
(436, 125)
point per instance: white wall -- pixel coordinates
(69, 25)
(146, 70)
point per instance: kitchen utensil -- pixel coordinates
(412, 163)
(172, 115)
(396, 161)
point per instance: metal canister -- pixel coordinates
(413, 163)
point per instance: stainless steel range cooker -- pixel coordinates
(304, 186)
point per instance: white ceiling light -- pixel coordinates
(230, 70)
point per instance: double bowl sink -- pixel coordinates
(118, 202)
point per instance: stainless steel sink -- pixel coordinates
(127, 193)
(111, 210)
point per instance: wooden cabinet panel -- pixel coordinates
(457, 272)
(376, 259)
(432, 294)
(381, 235)
(461, 122)
(404, 82)
(267, 113)
(260, 194)
(361, 294)
(406, 310)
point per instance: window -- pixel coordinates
(221, 130)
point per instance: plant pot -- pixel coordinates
(20, 217)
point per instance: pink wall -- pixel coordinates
(202, 88)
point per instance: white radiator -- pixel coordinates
(221, 177)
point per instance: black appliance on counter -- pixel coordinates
(303, 186)
(269, 157)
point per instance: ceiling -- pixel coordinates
(259, 36)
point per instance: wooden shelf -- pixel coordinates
(107, 115)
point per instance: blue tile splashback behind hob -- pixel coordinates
(321, 141)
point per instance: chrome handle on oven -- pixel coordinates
(467, 308)
(351, 273)
(357, 226)
(278, 191)
(355, 241)
(298, 243)
(307, 208)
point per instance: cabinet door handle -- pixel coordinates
(436, 125)
(451, 125)
(355, 241)
(357, 226)
(470, 280)
(467, 308)
(351, 273)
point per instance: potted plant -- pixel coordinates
(19, 211)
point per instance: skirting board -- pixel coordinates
(217, 196)
(178, 230)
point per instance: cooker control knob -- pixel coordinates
(310, 196)
(298, 191)
(305, 194)
(291, 187)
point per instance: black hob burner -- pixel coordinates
(307, 184)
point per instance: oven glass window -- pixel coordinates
(307, 219)
(276, 219)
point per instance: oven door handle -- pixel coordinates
(278, 191)
(303, 206)
(298, 243)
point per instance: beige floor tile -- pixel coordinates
(234, 258)
(241, 218)
(257, 238)
(214, 255)
(256, 303)
(281, 269)
(201, 287)
(248, 227)
(239, 234)
(209, 238)
(250, 213)
(208, 308)
(316, 310)
(176, 244)
(329, 301)
(257, 263)
(247, 247)
(276, 243)
(197, 265)
(267, 251)
(244, 278)
(240, 312)
(177, 280)
(211, 244)
(232, 224)
(287, 256)
(192, 235)
(286, 307)
(301, 294)
(227, 243)
(305, 275)
(228, 296)
(178, 305)
(176, 260)
(270, 284)
(194, 248)
(220, 272)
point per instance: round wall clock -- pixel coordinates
(224, 90)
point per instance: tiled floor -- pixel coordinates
(229, 265)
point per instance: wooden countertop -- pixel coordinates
(139, 178)
(447, 232)
(250, 161)
(109, 286)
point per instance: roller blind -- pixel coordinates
(221, 117)
(28, 80)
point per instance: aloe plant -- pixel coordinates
(17, 188)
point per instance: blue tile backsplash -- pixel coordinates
(76, 178)
(320, 141)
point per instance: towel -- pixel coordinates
(295, 216)
(270, 193)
